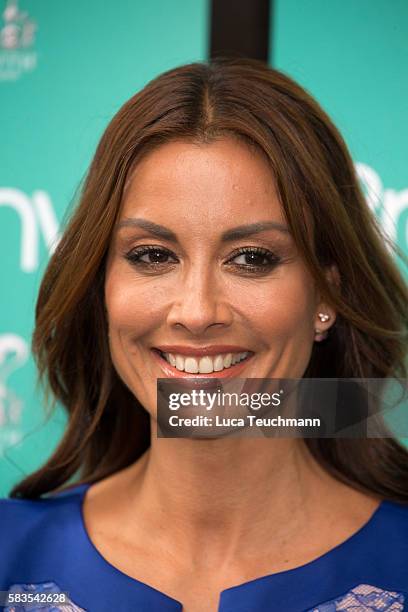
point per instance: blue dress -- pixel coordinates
(45, 549)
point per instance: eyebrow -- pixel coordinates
(235, 233)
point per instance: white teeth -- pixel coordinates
(191, 365)
(204, 365)
(180, 362)
(218, 363)
(227, 360)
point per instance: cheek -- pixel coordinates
(133, 307)
(281, 305)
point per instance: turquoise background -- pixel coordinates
(90, 58)
(352, 56)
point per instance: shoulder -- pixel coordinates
(39, 543)
(388, 540)
(395, 513)
(22, 520)
(393, 517)
(389, 524)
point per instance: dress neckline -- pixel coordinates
(300, 572)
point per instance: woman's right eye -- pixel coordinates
(149, 256)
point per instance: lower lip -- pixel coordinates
(173, 372)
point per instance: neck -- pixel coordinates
(227, 495)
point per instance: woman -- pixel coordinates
(221, 228)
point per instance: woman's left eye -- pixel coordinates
(256, 257)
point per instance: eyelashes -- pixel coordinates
(158, 253)
(156, 259)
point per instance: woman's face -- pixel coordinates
(192, 273)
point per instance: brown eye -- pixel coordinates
(149, 256)
(255, 257)
(252, 259)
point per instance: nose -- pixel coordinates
(200, 302)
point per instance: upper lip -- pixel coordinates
(214, 349)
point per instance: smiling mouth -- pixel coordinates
(205, 365)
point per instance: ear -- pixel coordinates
(325, 315)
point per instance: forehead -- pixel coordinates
(216, 182)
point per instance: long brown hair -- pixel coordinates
(316, 178)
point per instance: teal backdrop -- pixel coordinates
(66, 68)
(352, 55)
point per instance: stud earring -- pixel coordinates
(319, 334)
